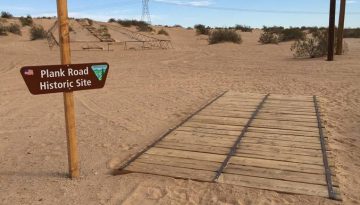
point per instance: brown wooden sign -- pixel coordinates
(64, 78)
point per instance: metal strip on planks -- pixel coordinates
(237, 142)
(332, 194)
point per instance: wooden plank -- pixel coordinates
(272, 111)
(291, 98)
(280, 143)
(276, 149)
(287, 115)
(200, 135)
(291, 109)
(176, 172)
(292, 138)
(190, 139)
(186, 154)
(203, 148)
(205, 142)
(283, 126)
(208, 131)
(179, 162)
(276, 174)
(294, 105)
(280, 157)
(219, 109)
(312, 125)
(243, 95)
(199, 124)
(219, 113)
(232, 108)
(263, 116)
(275, 185)
(280, 131)
(219, 120)
(289, 166)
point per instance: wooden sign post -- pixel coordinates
(331, 34)
(340, 34)
(65, 55)
(66, 78)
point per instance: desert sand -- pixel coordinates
(148, 92)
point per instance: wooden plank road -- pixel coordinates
(271, 142)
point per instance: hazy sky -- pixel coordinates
(255, 13)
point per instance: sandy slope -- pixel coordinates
(148, 92)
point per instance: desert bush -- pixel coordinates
(6, 15)
(202, 29)
(144, 27)
(314, 45)
(352, 33)
(103, 30)
(273, 29)
(26, 21)
(224, 35)
(90, 21)
(163, 32)
(3, 30)
(112, 20)
(290, 34)
(37, 32)
(268, 37)
(14, 28)
(243, 28)
(140, 25)
(276, 34)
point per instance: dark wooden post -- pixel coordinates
(331, 34)
(340, 34)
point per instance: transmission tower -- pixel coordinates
(145, 11)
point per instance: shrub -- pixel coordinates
(144, 27)
(290, 34)
(37, 32)
(276, 34)
(268, 37)
(352, 33)
(273, 29)
(14, 28)
(243, 28)
(163, 32)
(224, 35)
(177, 26)
(140, 25)
(202, 29)
(112, 20)
(26, 21)
(90, 21)
(3, 30)
(6, 15)
(103, 30)
(311, 46)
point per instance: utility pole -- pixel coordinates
(331, 33)
(65, 56)
(340, 34)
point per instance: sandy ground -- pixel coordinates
(148, 92)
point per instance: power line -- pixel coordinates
(251, 10)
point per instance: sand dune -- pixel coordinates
(148, 92)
